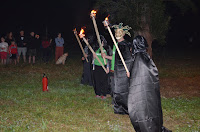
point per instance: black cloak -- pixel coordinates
(121, 81)
(144, 102)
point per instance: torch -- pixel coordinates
(92, 15)
(106, 24)
(81, 35)
(75, 33)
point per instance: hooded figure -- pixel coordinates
(144, 102)
(87, 76)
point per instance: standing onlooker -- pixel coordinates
(3, 50)
(9, 38)
(37, 42)
(21, 46)
(59, 46)
(32, 47)
(46, 48)
(13, 51)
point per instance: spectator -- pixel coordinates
(9, 38)
(37, 42)
(32, 45)
(13, 52)
(59, 46)
(21, 46)
(46, 42)
(3, 50)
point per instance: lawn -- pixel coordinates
(69, 106)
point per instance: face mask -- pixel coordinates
(119, 33)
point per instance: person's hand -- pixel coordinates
(83, 58)
(50, 40)
(94, 56)
(103, 55)
(128, 74)
(24, 43)
(86, 55)
(108, 70)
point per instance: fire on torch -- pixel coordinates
(106, 24)
(93, 15)
(79, 42)
(82, 35)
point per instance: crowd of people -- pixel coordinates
(13, 48)
(135, 93)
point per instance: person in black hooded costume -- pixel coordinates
(87, 76)
(144, 102)
(121, 80)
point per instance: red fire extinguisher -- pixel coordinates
(45, 83)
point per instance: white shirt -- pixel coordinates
(3, 47)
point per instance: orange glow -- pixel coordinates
(107, 18)
(74, 30)
(93, 12)
(106, 21)
(81, 34)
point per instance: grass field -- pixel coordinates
(69, 106)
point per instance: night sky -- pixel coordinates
(64, 15)
(57, 16)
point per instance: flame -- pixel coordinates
(82, 32)
(94, 12)
(74, 29)
(106, 21)
(107, 18)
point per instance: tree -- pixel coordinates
(146, 17)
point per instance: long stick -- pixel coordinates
(94, 53)
(118, 50)
(79, 42)
(98, 36)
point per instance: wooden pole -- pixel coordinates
(94, 53)
(120, 55)
(79, 42)
(97, 34)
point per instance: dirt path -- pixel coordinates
(174, 87)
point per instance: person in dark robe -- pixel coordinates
(144, 101)
(121, 80)
(86, 76)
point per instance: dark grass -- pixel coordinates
(69, 106)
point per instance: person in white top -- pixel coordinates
(3, 50)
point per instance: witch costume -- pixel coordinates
(121, 81)
(144, 102)
(86, 76)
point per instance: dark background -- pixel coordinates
(39, 16)
(184, 29)
(64, 15)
